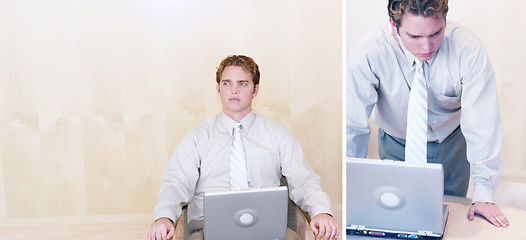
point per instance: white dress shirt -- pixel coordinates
(461, 91)
(200, 164)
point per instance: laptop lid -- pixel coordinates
(386, 196)
(250, 214)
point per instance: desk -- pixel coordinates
(129, 227)
(459, 227)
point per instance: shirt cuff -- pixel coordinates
(483, 193)
(167, 214)
(318, 210)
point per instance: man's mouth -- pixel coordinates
(429, 54)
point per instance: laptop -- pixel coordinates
(387, 198)
(250, 214)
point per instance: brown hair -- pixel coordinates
(397, 8)
(247, 63)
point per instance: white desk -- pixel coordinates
(459, 227)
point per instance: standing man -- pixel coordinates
(202, 162)
(421, 63)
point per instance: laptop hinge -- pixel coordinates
(425, 233)
(357, 227)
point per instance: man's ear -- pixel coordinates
(217, 87)
(393, 25)
(256, 90)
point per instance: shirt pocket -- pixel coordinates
(441, 103)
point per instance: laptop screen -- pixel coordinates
(250, 214)
(395, 197)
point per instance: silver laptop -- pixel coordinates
(387, 198)
(251, 214)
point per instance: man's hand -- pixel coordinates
(490, 211)
(162, 229)
(324, 227)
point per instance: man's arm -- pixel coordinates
(361, 98)
(179, 181)
(481, 125)
(305, 187)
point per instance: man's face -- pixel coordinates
(236, 89)
(421, 35)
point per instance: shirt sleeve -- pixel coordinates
(361, 98)
(304, 185)
(480, 122)
(179, 180)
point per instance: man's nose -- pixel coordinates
(427, 45)
(234, 89)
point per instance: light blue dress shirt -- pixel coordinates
(200, 164)
(461, 91)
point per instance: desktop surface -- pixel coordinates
(459, 227)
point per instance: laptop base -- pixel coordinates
(388, 235)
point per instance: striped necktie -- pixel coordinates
(238, 164)
(416, 134)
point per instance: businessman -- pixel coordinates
(202, 161)
(433, 91)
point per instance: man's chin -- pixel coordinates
(236, 110)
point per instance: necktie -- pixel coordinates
(416, 134)
(238, 164)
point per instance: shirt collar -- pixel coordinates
(246, 122)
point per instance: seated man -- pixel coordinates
(202, 161)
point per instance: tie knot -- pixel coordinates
(418, 63)
(237, 126)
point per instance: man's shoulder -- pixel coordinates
(377, 41)
(460, 36)
(270, 126)
(205, 126)
(267, 122)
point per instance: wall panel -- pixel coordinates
(95, 95)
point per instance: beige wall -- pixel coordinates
(499, 26)
(95, 95)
